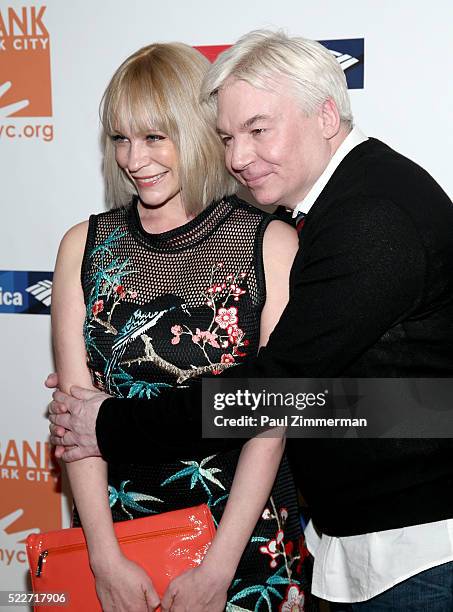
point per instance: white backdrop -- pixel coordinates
(51, 181)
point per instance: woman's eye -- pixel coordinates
(226, 140)
(154, 137)
(117, 138)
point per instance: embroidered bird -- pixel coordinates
(137, 324)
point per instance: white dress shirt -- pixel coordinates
(356, 568)
(354, 138)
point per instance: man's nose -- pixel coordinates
(242, 155)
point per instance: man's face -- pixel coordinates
(271, 146)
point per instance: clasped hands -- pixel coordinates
(73, 421)
(73, 432)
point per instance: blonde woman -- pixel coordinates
(182, 270)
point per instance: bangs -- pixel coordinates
(136, 105)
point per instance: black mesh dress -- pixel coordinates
(192, 297)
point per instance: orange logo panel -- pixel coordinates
(25, 84)
(30, 486)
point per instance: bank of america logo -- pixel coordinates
(345, 60)
(25, 292)
(42, 291)
(350, 54)
(348, 51)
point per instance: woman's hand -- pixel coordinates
(124, 586)
(203, 589)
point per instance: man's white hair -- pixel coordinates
(262, 57)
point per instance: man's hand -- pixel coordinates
(73, 423)
(197, 590)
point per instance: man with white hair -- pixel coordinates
(371, 295)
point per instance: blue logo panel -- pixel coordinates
(25, 292)
(350, 53)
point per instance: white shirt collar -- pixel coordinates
(354, 138)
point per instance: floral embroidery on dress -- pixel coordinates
(136, 347)
(224, 331)
(276, 549)
(294, 600)
(108, 292)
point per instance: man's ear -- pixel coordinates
(330, 119)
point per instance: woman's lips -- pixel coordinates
(148, 181)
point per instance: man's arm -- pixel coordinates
(363, 272)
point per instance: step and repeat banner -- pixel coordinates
(56, 58)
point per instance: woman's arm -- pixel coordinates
(258, 463)
(88, 477)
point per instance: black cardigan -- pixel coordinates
(371, 295)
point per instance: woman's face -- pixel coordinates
(151, 161)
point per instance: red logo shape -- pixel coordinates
(212, 51)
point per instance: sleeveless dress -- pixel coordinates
(193, 296)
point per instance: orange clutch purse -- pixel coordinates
(165, 545)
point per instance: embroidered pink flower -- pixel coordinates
(234, 334)
(283, 514)
(279, 536)
(216, 372)
(226, 317)
(227, 358)
(271, 550)
(266, 514)
(121, 291)
(98, 307)
(212, 339)
(176, 330)
(294, 600)
(206, 336)
(215, 289)
(236, 291)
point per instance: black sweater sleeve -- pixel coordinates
(359, 271)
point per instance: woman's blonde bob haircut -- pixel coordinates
(263, 57)
(158, 88)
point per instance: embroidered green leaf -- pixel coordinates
(178, 475)
(142, 388)
(234, 608)
(247, 591)
(128, 499)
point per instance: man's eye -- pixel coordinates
(258, 131)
